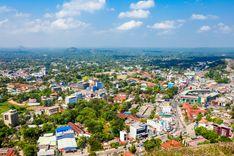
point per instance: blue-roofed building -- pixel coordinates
(170, 85)
(99, 85)
(65, 137)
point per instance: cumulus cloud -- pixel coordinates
(135, 14)
(130, 25)
(75, 7)
(3, 22)
(168, 24)
(204, 28)
(203, 17)
(146, 4)
(218, 28)
(67, 23)
(5, 9)
(20, 14)
(223, 28)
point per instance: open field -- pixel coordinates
(5, 106)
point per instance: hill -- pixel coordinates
(219, 149)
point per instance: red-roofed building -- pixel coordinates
(125, 116)
(120, 98)
(192, 112)
(171, 144)
(128, 154)
(7, 152)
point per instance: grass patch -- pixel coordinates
(219, 149)
(5, 106)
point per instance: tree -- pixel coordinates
(94, 144)
(82, 142)
(152, 144)
(30, 150)
(132, 149)
(199, 117)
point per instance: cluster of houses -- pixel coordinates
(63, 140)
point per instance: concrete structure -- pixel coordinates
(52, 110)
(10, 118)
(45, 152)
(71, 99)
(192, 112)
(123, 136)
(7, 152)
(47, 141)
(138, 130)
(223, 130)
(66, 139)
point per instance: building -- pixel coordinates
(7, 152)
(194, 142)
(99, 85)
(190, 99)
(199, 96)
(138, 130)
(46, 145)
(71, 99)
(123, 136)
(222, 130)
(10, 118)
(47, 141)
(52, 110)
(45, 152)
(171, 144)
(120, 98)
(192, 112)
(170, 85)
(66, 141)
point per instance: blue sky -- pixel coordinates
(117, 23)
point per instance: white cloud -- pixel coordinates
(130, 25)
(3, 22)
(23, 15)
(168, 25)
(135, 14)
(224, 28)
(4, 9)
(67, 23)
(145, 4)
(204, 28)
(203, 17)
(75, 7)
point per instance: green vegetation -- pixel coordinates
(152, 144)
(5, 106)
(132, 149)
(217, 75)
(215, 120)
(221, 149)
(210, 135)
(4, 133)
(98, 116)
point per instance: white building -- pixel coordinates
(71, 99)
(123, 136)
(138, 130)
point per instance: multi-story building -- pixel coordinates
(222, 130)
(10, 118)
(71, 99)
(123, 136)
(138, 130)
(52, 110)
